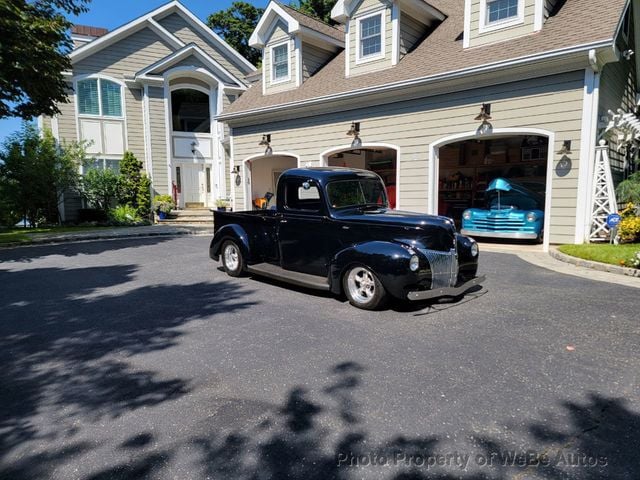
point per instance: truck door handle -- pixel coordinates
(283, 221)
(344, 227)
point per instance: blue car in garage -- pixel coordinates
(512, 211)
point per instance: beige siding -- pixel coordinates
(181, 29)
(279, 33)
(135, 130)
(551, 103)
(411, 31)
(190, 81)
(190, 61)
(312, 59)
(617, 90)
(502, 34)
(67, 127)
(367, 7)
(125, 57)
(158, 140)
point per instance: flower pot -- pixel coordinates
(162, 216)
(222, 209)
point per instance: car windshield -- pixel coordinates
(367, 192)
(499, 200)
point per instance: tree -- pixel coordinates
(320, 9)
(236, 24)
(100, 188)
(135, 186)
(33, 55)
(35, 172)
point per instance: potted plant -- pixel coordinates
(162, 205)
(222, 204)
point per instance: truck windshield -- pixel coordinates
(367, 192)
(497, 200)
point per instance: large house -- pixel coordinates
(439, 97)
(154, 86)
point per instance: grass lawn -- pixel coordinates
(25, 235)
(604, 253)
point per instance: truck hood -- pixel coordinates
(398, 218)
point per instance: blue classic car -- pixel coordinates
(512, 211)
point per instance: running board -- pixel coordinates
(296, 278)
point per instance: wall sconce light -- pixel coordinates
(193, 148)
(266, 142)
(354, 132)
(236, 171)
(485, 113)
(484, 116)
(566, 148)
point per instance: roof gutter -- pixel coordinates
(422, 80)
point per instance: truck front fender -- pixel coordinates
(233, 232)
(389, 261)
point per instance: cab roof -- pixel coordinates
(327, 174)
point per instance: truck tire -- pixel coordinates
(232, 259)
(363, 289)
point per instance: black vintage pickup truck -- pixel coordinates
(332, 230)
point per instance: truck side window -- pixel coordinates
(302, 195)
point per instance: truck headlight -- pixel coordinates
(414, 263)
(466, 215)
(474, 249)
(532, 217)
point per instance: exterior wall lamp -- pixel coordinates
(566, 148)
(266, 142)
(193, 148)
(236, 171)
(354, 132)
(484, 116)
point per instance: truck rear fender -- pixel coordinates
(388, 260)
(234, 232)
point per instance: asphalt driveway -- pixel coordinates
(140, 359)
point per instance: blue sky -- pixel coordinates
(113, 13)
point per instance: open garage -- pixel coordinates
(467, 168)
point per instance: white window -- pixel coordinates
(112, 164)
(280, 63)
(370, 36)
(98, 96)
(500, 10)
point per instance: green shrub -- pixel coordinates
(100, 188)
(629, 190)
(163, 203)
(144, 196)
(124, 215)
(629, 227)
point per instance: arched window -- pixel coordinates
(190, 111)
(98, 96)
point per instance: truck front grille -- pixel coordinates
(444, 268)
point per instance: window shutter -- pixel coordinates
(88, 97)
(110, 93)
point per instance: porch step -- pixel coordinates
(189, 216)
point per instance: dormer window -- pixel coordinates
(370, 40)
(498, 10)
(280, 63)
(495, 14)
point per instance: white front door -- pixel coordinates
(193, 188)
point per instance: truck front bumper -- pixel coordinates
(445, 292)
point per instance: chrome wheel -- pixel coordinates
(231, 257)
(361, 285)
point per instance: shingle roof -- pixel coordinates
(579, 22)
(314, 24)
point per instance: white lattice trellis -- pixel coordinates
(603, 195)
